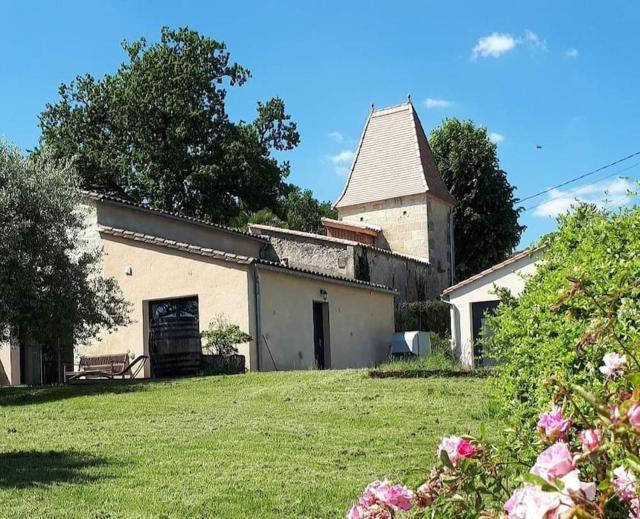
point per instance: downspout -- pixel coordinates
(453, 248)
(256, 289)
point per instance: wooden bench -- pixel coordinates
(100, 366)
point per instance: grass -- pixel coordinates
(434, 362)
(296, 444)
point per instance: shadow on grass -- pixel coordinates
(23, 469)
(14, 396)
(429, 373)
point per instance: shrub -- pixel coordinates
(588, 441)
(553, 331)
(429, 316)
(223, 337)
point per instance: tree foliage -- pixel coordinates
(50, 286)
(485, 218)
(304, 213)
(549, 331)
(157, 130)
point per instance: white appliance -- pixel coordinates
(411, 343)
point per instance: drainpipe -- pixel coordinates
(256, 287)
(453, 248)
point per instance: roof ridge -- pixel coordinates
(391, 109)
(94, 195)
(504, 263)
(172, 244)
(355, 159)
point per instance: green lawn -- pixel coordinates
(296, 444)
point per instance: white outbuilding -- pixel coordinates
(473, 299)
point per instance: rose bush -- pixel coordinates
(587, 440)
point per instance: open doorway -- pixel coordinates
(174, 337)
(321, 346)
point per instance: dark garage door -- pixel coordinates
(480, 311)
(174, 337)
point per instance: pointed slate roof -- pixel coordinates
(393, 160)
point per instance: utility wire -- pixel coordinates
(575, 179)
(635, 165)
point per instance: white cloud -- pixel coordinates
(494, 45)
(499, 43)
(606, 192)
(341, 161)
(344, 157)
(430, 102)
(533, 41)
(571, 53)
(496, 137)
(336, 136)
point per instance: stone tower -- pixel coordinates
(394, 185)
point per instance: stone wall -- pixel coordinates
(439, 227)
(403, 221)
(413, 278)
(321, 255)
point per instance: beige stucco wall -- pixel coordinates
(161, 273)
(361, 322)
(511, 277)
(9, 364)
(164, 226)
(403, 221)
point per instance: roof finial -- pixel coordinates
(409, 98)
(373, 107)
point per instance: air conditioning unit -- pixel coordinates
(410, 343)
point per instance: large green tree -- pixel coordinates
(51, 290)
(304, 213)
(486, 227)
(157, 130)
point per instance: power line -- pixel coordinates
(580, 177)
(636, 164)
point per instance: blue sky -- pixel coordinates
(563, 75)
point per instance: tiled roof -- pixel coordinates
(315, 273)
(146, 207)
(233, 258)
(510, 260)
(393, 159)
(171, 244)
(322, 237)
(355, 226)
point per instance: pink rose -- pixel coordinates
(613, 365)
(572, 485)
(531, 502)
(457, 449)
(634, 415)
(466, 449)
(554, 462)
(371, 512)
(624, 484)
(591, 439)
(396, 497)
(553, 424)
(634, 505)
